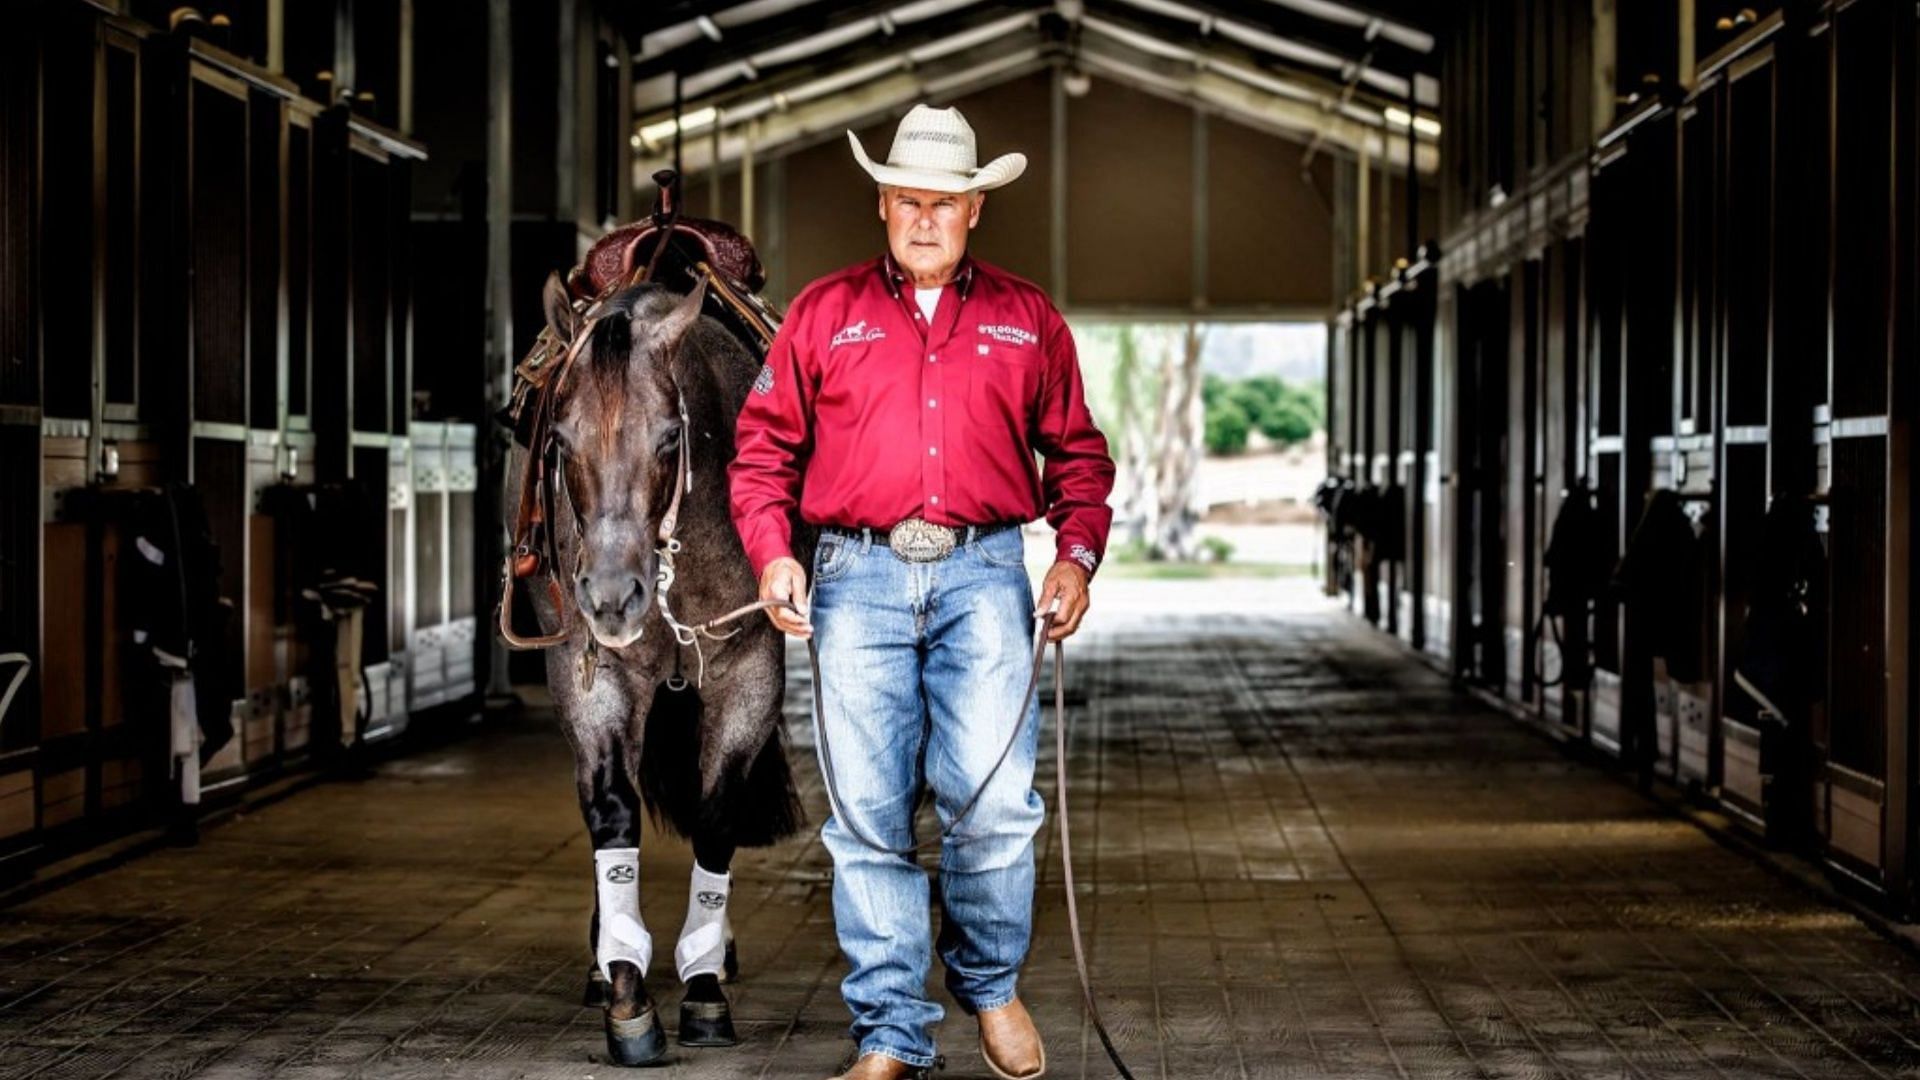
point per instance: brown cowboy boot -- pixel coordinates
(1011, 1044)
(882, 1067)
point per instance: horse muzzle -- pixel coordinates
(614, 605)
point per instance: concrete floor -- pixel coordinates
(1301, 856)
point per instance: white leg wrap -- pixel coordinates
(703, 939)
(616, 873)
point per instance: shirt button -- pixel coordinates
(930, 358)
(932, 450)
(936, 498)
(930, 403)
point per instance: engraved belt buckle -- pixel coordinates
(918, 540)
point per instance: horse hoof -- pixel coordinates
(730, 967)
(706, 1023)
(636, 1042)
(596, 995)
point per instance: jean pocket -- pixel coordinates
(1008, 547)
(833, 556)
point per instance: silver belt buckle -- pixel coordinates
(918, 540)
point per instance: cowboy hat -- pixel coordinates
(933, 149)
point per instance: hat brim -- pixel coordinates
(1004, 169)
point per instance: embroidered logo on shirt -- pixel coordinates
(1079, 553)
(764, 383)
(1008, 335)
(857, 333)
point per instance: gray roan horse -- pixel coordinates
(708, 759)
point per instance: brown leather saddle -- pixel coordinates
(666, 248)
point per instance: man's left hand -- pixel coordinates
(1067, 581)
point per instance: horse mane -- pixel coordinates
(636, 305)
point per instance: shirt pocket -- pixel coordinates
(1002, 383)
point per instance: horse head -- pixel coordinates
(618, 429)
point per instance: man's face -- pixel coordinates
(927, 230)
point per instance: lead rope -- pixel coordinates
(1045, 619)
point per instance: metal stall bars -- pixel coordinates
(1742, 81)
(101, 182)
(20, 418)
(445, 481)
(1630, 387)
(1407, 307)
(369, 168)
(1864, 794)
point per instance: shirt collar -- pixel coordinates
(896, 278)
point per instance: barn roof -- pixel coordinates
(783, 74)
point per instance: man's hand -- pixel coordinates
(1067, 581)
(785, 579)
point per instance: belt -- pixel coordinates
(919, 540)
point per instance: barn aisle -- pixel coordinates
(1312, 859)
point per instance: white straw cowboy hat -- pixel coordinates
(933, 149)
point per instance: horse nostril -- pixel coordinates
(631, 605)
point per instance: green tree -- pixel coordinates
(1290, 421)
(1227, 427)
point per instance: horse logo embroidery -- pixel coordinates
(764, 383)
(857, 333)
(621, 875)
(712, 901)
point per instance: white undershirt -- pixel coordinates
(928, 299)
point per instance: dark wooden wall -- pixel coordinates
(208, 279)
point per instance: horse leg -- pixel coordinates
(738, 795)
(705, 952)
(622, 947)
(716, 854)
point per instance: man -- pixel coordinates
(900, 409)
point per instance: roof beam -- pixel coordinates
(785, 30)
(829, 116)
(918, 44)
(1246, 66)
(1302, 42)
(1251, 105)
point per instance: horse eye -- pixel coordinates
(670, 440)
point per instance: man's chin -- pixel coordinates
(924, 262)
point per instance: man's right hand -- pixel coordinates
(785, 579)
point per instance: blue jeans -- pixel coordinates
(922, 668)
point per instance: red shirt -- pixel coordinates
(866, 415)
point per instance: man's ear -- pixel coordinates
(883, 202)
(559, 309)
(671, 327)
(979, 200)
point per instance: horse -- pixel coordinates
(645, 410)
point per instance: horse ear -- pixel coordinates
(559, 308)
(674, 325)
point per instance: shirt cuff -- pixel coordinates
(1080, 555)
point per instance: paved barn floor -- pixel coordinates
(1301, 855)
